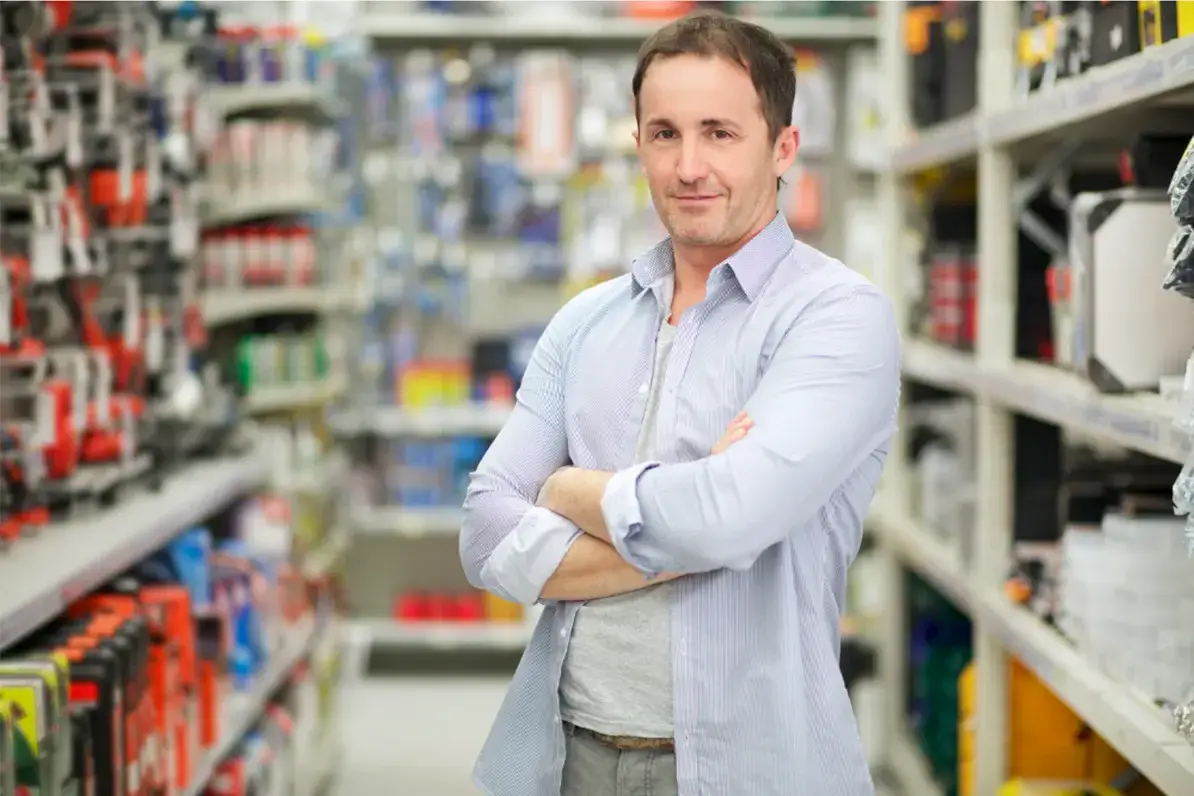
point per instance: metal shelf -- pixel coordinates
(222, 210)
(579, 29)
(445, 421)
(438, 635)
(1140, 731)
(409, 522)
(1141, 422)
(305, 98)
(237, 304)
(1087, 100)
(41, 576)
(287, 397)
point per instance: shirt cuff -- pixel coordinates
(623, 515)
(522, 563)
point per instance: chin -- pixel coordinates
(689, 234)
(697, 240)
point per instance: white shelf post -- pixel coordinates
(997, 287)
(892, 277)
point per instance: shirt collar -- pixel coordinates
(752, 265)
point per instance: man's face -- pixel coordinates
(709, 158)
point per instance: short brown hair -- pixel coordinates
(770, 63)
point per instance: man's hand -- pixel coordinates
(734, 432)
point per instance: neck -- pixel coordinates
(694, 263)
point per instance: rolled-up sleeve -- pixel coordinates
(624, 519)
(525, 560)
(826, 402)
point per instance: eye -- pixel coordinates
(664, 135)
(722, 135)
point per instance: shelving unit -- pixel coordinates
(209, 468)
(1004, 136)
(556, 29)
(43, 576)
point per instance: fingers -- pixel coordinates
(741, 422)
(737, 429)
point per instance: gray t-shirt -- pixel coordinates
(617, 676)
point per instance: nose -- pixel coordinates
(692, 166)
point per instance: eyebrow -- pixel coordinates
(661, 122)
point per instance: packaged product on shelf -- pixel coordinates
(1180, 259)
(1181, 187)
(1131, 334)
(545, 138)
(8, 752)
(814, 111)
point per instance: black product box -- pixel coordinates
(1114, 31)
(959, 23)
(924, 41)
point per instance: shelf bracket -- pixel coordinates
(1048, 175)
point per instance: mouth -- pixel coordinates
(694, 198)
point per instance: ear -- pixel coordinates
(638, 145)
(786, 147)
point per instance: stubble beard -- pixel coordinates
(688, 231)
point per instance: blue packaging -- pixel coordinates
(190, 557)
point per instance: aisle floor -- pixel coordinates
(416, 735)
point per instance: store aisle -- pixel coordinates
(415, 735)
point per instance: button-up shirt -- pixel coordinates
(764, 531)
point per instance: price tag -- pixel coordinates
(43, 431)
(184, 236)
(107, 100)
(5, 307)
(81, 380)
(45, 247)
(155, 340)
(125, 168)
(132, 311)
(4, 112)
(103, 389)
(153, 169)
(74, 130)
(80, 257)
(128, 434)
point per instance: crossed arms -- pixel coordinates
(824, 404)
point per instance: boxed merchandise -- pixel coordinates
(1129, 334)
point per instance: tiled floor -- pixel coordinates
(415, 736)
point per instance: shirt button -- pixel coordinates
(642, 389)
(563, 634)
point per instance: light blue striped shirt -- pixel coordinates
(810, 349)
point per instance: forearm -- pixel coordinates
(575, 494)
(591, 570)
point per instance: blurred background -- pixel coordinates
(272, 272)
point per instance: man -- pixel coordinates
(703, 438)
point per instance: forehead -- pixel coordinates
(682, 86)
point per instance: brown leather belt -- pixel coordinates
(627, 743)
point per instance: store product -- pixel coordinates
(1129, 334)
(1047, 743)
(124, 693)
(466, 607)
(101, 332)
